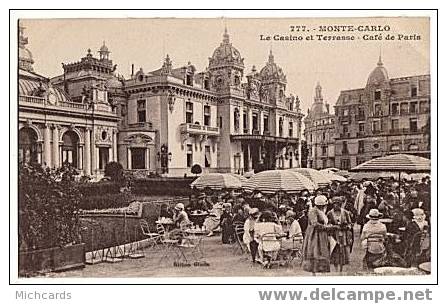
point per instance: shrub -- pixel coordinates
(105, 201)
(196, 169)
(48, 207)
(115, 171)
(100, 188)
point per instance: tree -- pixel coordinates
(115, 171)
(196, 169)
(48, 207)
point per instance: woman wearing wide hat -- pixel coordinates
(316, 250)
(373, 239)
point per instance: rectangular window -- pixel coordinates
(361, 114)
(377, 95)
(395, 109)
(413, 124)
(103, 157)
(123, 110)
(141, 110)
(362, 127)
(403, 108)
(395, 124)
(266, 124)
(189, 79)
(377, 110)
(290, 129)
(414, 91)
(189, 156)
(376, 126)
(281, 121)
(207, 115)
(413, 107)
(189, 112)
(345, 130)
(207, 84)
(323, 151)
(255, 121)
(345, 148)
(245, 122)
(361, 146)
(345, 164)
(207, 156)
(423, 107)
(138, 156)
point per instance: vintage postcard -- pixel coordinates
(224, 147)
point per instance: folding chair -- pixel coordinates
(239, 233)
(296, 252)
(153, 238)
(191, 247)
(168, 245)
(270, 245)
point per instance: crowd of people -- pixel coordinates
(393, 222)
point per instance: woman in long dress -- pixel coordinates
(316, 241)
(341, 233)
(213, 220)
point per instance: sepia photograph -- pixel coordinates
(223, 147)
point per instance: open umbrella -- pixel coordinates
(400, 163)
(395, 163)
(217, 181)
(273, 181)
(332, 176)
(318, 178)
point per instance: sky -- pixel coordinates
(337, 65)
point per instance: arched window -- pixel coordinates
(70, 148)
(29, 149)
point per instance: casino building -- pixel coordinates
(164, 120)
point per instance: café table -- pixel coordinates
(193, 241)
(198, 217)
(426, 267)
(166, 222)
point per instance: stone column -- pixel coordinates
(250, 121)
(55, 146)
(47, 146)
(248, 158)
(93, 159)
(148, 166)
(87, 153)
(115, 146)
(129, 159)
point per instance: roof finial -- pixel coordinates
(380, 63)
(271, 57)
(226, 36)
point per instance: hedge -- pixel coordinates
(105, 201)
(162, 186)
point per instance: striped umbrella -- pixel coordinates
(319, 179)
(332, 176)
(273, 181)
(217, 181)
(395, 163)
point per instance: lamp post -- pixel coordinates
(164, 157)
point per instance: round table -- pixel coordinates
(426, 267)
(198, 217)
(167, 224)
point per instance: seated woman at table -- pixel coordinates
(212, 222)
(373, 238)
(417, 239)
(180, 216)
(294, 233)
(269, 246)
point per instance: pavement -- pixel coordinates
(223, 260)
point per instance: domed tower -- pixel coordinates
(104, 52)
(25, 56)
(378, 89)
(273, 82)
(226, 67)
(318, 107)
